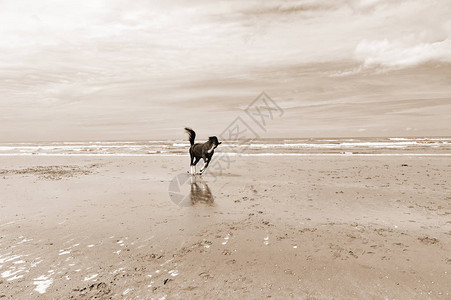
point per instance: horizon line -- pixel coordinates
(259, 138)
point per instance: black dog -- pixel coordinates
(201, 150)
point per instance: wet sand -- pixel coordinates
(313, 227)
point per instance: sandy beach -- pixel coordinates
(312, 227)
(329, 122)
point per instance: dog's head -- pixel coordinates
(214, 140)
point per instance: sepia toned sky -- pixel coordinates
(125, 70)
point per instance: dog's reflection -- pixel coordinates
(200, 192)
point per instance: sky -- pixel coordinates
(126, 70)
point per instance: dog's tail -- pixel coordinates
(192, 135)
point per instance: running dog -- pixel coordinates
(201, 150)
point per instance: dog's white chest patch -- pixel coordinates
(211, 149)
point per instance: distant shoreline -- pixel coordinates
(393, 146)
(234, 154)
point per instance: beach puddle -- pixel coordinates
(24, 241)
(87, 278)
(226, 239)
(62, 252)
(9, 258)
(11, 274)
(42, 283)
(117, 271)
(126, 292)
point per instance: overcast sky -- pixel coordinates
(102, 70)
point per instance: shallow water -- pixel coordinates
(347, 146)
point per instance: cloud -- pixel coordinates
(399, 54)
(275, 8)
(404, 34)
(200, 35)
(78, 58)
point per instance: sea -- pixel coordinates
(421, 146)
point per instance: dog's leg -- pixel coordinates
(203, 167)
(193, 165)
(206, 162)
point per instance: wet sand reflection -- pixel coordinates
(200, 192)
